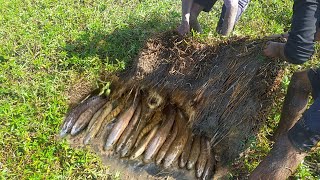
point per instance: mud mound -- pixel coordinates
(183, 103)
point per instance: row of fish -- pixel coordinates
(158, 134)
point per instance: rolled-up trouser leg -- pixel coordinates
(300, 45)
(305, 134)
(242, 6)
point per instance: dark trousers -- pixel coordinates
(305, 20)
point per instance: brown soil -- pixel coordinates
(225, 89)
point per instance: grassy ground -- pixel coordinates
(46, 46)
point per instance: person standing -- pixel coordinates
(231, 12)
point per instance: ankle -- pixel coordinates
(186, 18)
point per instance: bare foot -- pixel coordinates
(281, 162)
(184, 28)
(274, 50)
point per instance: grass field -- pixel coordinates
(46, 46)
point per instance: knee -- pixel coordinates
(300, 82)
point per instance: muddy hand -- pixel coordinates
(274, 49)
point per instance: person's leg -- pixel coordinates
(295, 102)
(195, 11)
(230, 14)
(184, 27)
(280, 163)
(292, 146)
(197, 7)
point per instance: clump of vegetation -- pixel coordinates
(49, 46)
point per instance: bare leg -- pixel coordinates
(281, 162)
(184, 27)
(295, 102)
(284, 158)
(230, 16)
(195, 11)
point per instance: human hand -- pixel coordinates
(273, 49)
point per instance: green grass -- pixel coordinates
(45, 46)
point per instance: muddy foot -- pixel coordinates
(184, 28)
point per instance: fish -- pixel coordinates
(129, 129)
(166, 145)
(180, 141)
(194, 153)
(95, 116)
(210, 165)
(186, 152)
(143, 144)
(121, 124)
(94, 126)
(146, 115)
(158, 140)
(203, 157)
(157, 117)
(74, 114)
(111, 116)
(85, 118)
(128, 146)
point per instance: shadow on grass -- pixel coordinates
(120, 46)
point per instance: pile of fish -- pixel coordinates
(144, 126)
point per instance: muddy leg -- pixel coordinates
(184, 27)
(280, 163)
(195, 11)
(295, 102)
